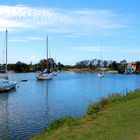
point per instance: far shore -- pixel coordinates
(75, 70)
(81, 70)
(89, 70)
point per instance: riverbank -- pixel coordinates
(114, 118)
(81, 70)
(90, 70)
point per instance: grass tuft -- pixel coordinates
(60, 122)
(111, 100)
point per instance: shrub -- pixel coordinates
(92, 109)
(60, 122)
(114, 97)
(103, 103)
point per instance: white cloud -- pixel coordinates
(35, 38)
(83, 21)
(107, 49)
(26, 39)
(18, 40)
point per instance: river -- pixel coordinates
(27, 110)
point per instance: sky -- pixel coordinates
(76, 30)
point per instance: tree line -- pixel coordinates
(109, 65)
(94, 64)
(24, 67)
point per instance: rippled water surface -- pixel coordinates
(27, 110)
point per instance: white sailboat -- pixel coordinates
(5, 84)
(101, 73)
(45, 75)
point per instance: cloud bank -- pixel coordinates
(80, 22)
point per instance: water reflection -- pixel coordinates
(47, 96)
(4, 114)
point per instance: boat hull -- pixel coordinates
(6, 85)
(100, 75)
(44, 76)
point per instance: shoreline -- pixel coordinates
(66, 127)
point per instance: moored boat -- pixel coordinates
(101, 73)
(5, 84)
(45, 74)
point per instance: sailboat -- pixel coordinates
(101, 73)
(5, 84)
(45, 75)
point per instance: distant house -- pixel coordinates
(131, 67)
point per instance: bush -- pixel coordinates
(94, 108)
(114, 97)
(60, 122)
(121, 68)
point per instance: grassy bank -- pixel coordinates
(114, 118)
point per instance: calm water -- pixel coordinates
(27, 110)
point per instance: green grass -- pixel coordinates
(114, 118)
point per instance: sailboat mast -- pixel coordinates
(101, 52)
(47, 51)
(6, 43)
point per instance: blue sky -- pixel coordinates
(76, 30)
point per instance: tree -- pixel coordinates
(21, 67)
(60, 66)
(121, 68)
(46, 64)
(105, 63)
(138, 65)
(83, 64)
(113, 66)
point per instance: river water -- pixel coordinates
(27, 110)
